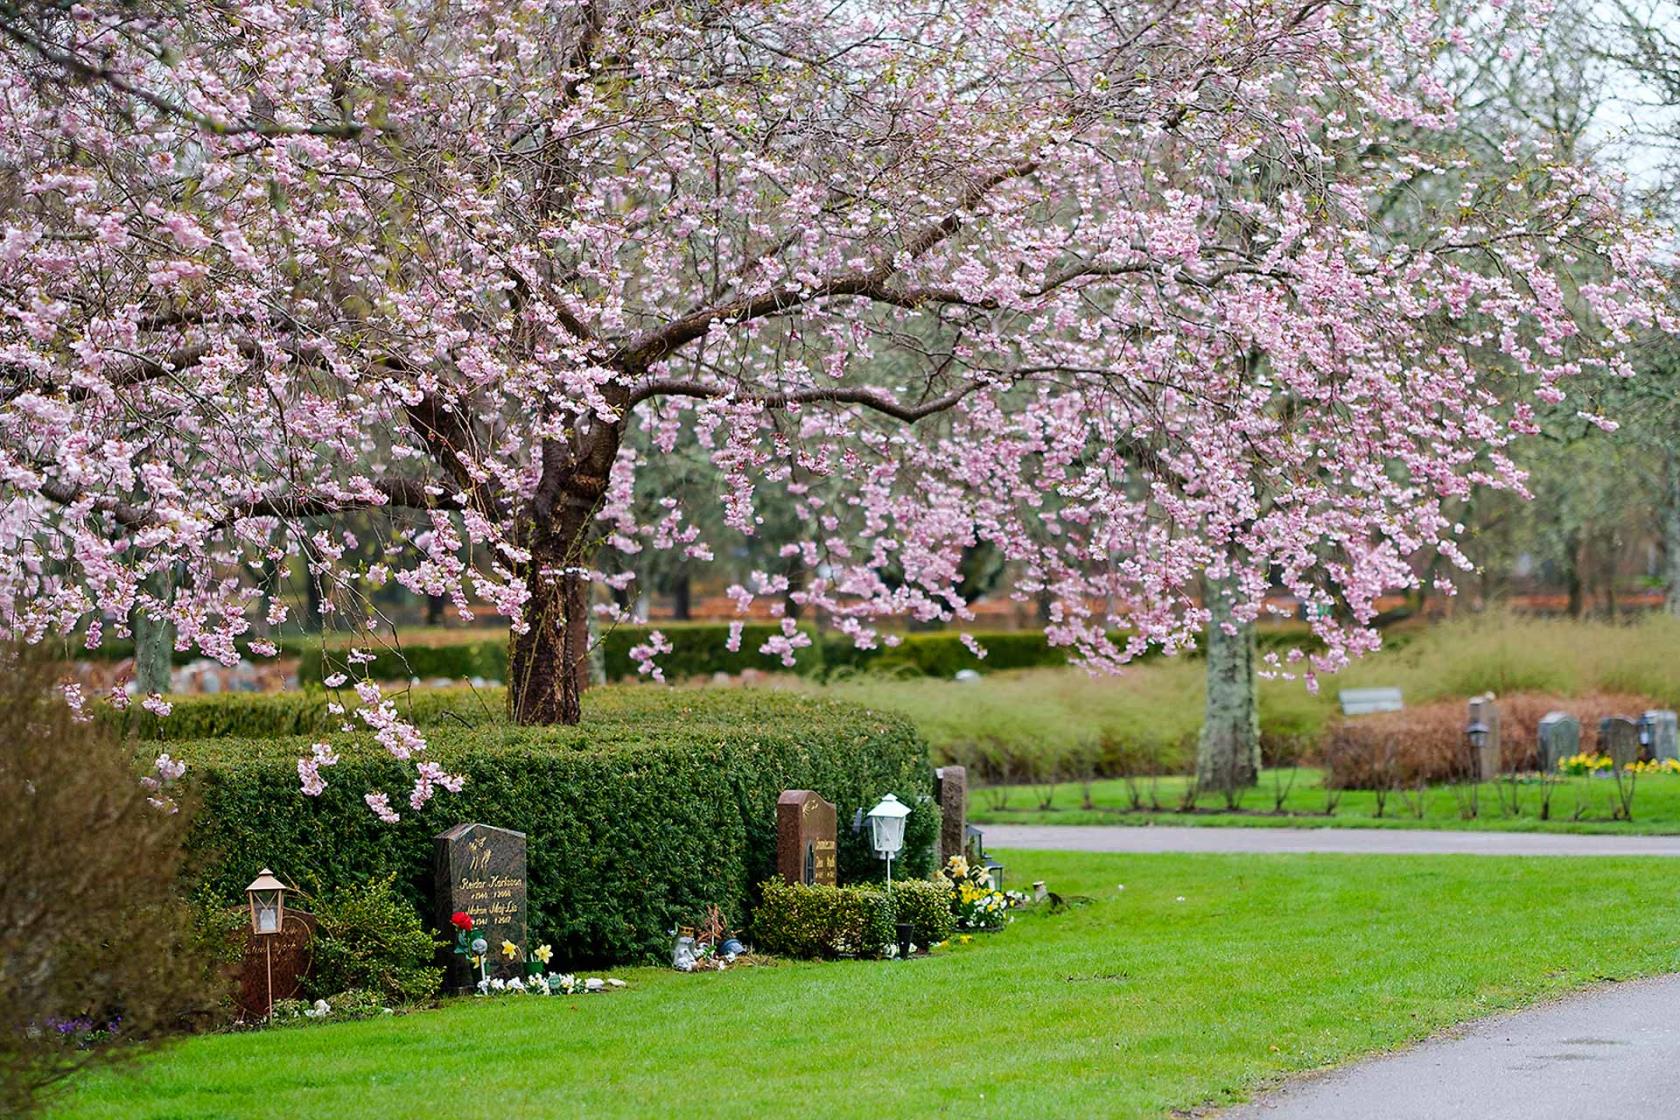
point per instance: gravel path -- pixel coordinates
(1374, 841)
(1612, 1053)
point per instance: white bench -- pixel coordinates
(1365, 701)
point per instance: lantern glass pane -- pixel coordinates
(268, 915)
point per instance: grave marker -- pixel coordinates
(1661, 736)
(288, 952)
(1485, 761)
(950, 790)
(1560, 737)
(805, 835)
(1618, 737)
(480, 869)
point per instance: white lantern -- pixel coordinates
(886, 826)
(886, 830)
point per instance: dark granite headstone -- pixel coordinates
(288, 953)
(1618, 737)
(805, 831)
(480, 869)
(950, 790)
(1485, 761)
(1560, 737)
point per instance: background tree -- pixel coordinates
(264, 267)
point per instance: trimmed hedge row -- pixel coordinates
(658, 805)
(700, 649)
(259, 715)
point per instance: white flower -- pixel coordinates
(615, 982)
(498, 984)
(516, 985)
(483, 986)
(594, 984)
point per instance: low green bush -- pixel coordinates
(926, 905)
(662, 802)
(823, 922)
(942, 653)
(256, 715)
(368, 938)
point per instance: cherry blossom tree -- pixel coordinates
(1099, 285)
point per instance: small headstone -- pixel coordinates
(1618, 737)
(1484, 710)
(285, 955)
(480, 869)
(1660, 736)
(950, 790)
(1560, 737)
(805, 831)
(1368, 701)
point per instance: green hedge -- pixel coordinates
(699, 649)
(822, 922)
(942, 653)
(486, 658)
(659, 804)
(257, 715)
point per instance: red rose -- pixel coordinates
(461, 920)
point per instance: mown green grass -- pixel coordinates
(1204, 979)
(1578, 804)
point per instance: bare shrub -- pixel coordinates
(97, 954)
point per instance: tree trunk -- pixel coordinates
(548, 665)
(154, 640)
(1228, 751)
(1572, 574)
(1671, 533)
(682, 597)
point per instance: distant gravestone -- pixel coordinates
(1560, 737)
(1485, 761)
(285, 956)
(1368, 701)
(1660, 735)
(480, 869)
(805, 834)
(1618, 737)
(950, 789)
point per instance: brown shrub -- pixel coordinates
(1426, 743)
(97, 954)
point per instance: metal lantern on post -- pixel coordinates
(1476, 736)
(886, 830)
(267, 897)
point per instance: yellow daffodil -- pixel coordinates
(509, 950)
(543, 953)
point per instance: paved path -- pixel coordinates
(1612, 1053)
(1375, 841)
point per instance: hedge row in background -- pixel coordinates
(656, 806)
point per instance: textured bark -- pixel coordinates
(1228, 751)
(154, 641)
(549, 664)
(1671, 533)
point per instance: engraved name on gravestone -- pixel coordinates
(1485, 761)
(480, 869)
(805, 838)
(1560, 737)
(1618, 737)
(285, 955)
(1661, 735)
(950, 784)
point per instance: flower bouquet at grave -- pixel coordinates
(975, 902)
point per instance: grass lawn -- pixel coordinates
(1579, 804)
(1202, 980)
